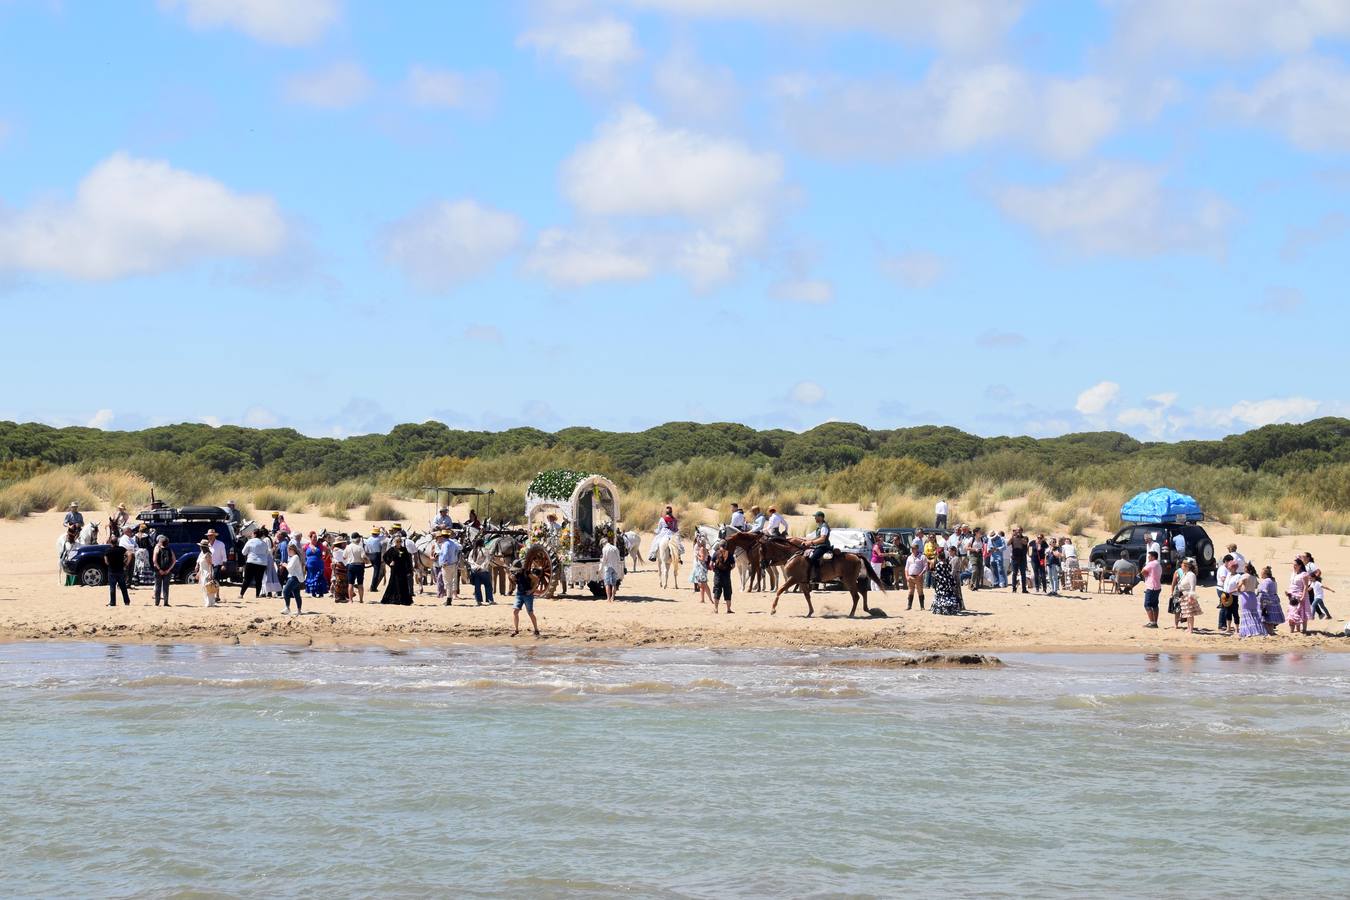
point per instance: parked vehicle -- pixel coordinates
(1131, 542)
(185, 529)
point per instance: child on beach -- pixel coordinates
(524, 600)
(1319, 606)
(722, 565)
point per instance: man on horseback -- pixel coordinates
(442, 522)
(777, 526)
(737, 517)
(818, 544)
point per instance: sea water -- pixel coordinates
(203, 771)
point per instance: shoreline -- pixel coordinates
(264, 634)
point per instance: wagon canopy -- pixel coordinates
(572, 494)
(1161, 505)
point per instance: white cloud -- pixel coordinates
(807, 393)
(637, 167)
(595, 50)
(694, 91)
(1229, 28)
(1160, 417)
(1307, 101)
(577, 259)
(428, 86)
(337, 86)
(809, 291)
(690, 202)
(916, 270)
(289, 22)
(1120, 208)
(101, 419)
(961, 108)
(260, 417)
(135, 216)
(450, 242)
(1095, 399)
(953, 24)
(1256, 413)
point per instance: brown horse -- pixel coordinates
(762, 554)
(848, 568)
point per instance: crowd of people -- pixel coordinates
(936, 568)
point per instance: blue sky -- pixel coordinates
(1012, 216)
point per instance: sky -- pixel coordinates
(1011, 216)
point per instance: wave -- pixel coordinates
(252, 684)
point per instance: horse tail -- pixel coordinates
(872, 574)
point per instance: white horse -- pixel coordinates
(668, 561)
(632, 540)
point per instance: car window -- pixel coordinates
(1123, 535)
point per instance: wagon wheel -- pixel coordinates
(546, 568)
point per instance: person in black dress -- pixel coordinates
(400, 567)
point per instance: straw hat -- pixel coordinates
(204, 544)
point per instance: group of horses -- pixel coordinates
(782, 562)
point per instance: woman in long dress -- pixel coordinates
(1188, 604)
(315, 582)
(945, 602)
(206, 575)
(271, 584)
(1300, 609)
(1268, 596)
(400, 566)
(1250, 623)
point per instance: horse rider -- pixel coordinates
(818, 544)
(442, 522)
(757, 524)
(74, 518)
(737, 517)
(777, 526)
(667, 527)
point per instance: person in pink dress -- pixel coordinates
(1300, 610)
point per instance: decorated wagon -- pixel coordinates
(585, 513)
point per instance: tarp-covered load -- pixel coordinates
(1161, 505)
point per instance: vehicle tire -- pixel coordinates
(92, 576)
(597, 589)
(1207, 554)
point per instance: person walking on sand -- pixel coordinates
(1272, 614)
(216, 550)
(1231, 581)
(611, 567)
(256, 554)
(1019, 544)
(940, 514)
(998, 576)
(699, 576)
(447, 565)
(524, 600)
(1188, 604)
(1250, 623)
(400, 564)
(480, 576)
(375, 548)
(356, 568)
(117, 558)
(723, 562)
(916, 567)
(1054, 562)
(1152, 577)
(206, 574)
(295, 576)
(1319, 603)
(1300, 610)
(163, 562)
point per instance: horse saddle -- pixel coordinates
(828, 554)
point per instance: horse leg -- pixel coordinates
(806, 592)
(853, 593)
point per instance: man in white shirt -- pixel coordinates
(442, 522)
(940, 514)
(257, 552)
(480, 575)
(1179, 544)
(1153, 546)
(611, 566)
(737, 517)
(217, 554)
(759, 520)
(128, 540)
(777, 526)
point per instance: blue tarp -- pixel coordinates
(1161, 505)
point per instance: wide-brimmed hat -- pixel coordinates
(204, 544)
(121, 506)
(73, 505)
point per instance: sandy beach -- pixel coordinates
(34, 606)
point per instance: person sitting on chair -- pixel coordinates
(819, 544)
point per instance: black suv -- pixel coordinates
(1131, 541)
(185, 529)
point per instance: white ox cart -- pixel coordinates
(586, 513)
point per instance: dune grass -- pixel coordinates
(381, 510)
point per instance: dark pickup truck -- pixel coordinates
(1131, 542)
